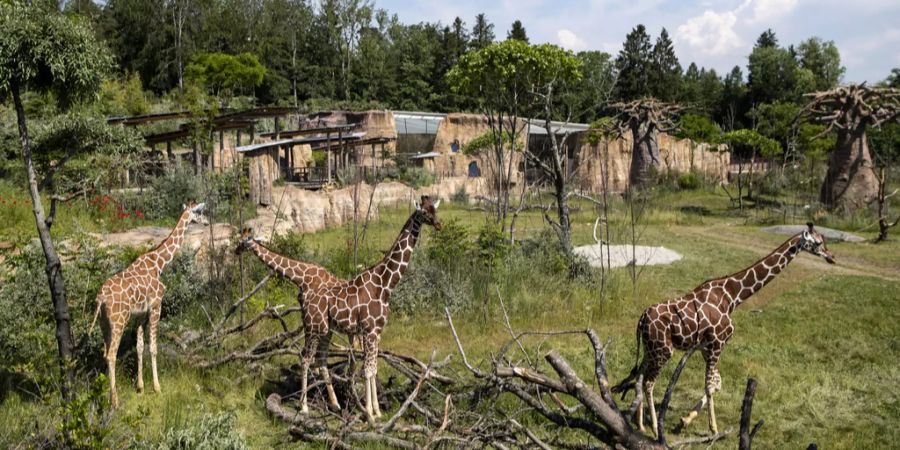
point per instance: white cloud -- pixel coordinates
(712, 33)
(769, 10)
(569, 40)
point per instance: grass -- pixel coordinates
(821, 340)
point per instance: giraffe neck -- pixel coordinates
(753, 278)
(166, 250)
(305, 275)
(397, 259)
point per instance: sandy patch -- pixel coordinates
(621, 255)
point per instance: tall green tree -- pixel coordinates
(665, 71)
(43, 51)
(767, 39)
(482, 32)
(517, 32)
(634, 65)
(823, 60)
(226, 75)
(690, 90)
(772, 71)
(732, 106)
(893, 80)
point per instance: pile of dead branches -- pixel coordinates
(435, 407)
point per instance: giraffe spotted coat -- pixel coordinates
(702, 319)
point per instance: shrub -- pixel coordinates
(491, 245)
(461, 196)
(185, 285)
(169, 192)
(210, 432)
(448, 246)
(688, 181)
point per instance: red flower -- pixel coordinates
(138, 214)
(124, 214)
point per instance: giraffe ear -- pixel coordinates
(418, 206)
(806, 235)
(199, 208)
(437, 203)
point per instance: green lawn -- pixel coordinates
(823, 341)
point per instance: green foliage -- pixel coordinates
(689, 181)
(506, 72)
(124, 96)
(170, 191)
(885, 144)
(448, 246)
(813, 147)
(461, 196)
(697, 128)
(209, 432)
(491, 245)
(412, 176)
(222, 72)
(491, 140)
(633, 65)
(185, 284)
(744, 140)
(773, 74)
(776, 120)
(45, 50)
(823, 60)
(86, 418)
(87, 147)
(601, 128)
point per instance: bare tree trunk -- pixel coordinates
(644, 157)
(850, 181)
(53, 268)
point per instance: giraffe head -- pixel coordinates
(245, 241)
(813, 242)
(427, 211)
(195, 213)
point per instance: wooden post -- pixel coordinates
(277, 129)
(252, 133)
(328, 157)
(169, 155)
(198, 168)
(340, 146)
(222, 150)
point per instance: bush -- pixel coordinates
(491, 245)
(210, 432)
(688, 181)
(461, 196)
(450, 245)
(169, 192)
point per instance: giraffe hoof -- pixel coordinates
(140, 389)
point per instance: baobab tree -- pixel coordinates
(851, 182)
(645, 118)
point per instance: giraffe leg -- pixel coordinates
(322, 363)
(640, 411)
(371, 371)
(651, 405)
(115, 337)
(154, 322)
(309, 353)
(686, 420)
(140, 358)
(713, 385)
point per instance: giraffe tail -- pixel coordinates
(629, 382)
(96, 315)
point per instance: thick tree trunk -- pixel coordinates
(53, 268)
(850, 182)
(644, 157)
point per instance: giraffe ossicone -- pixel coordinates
(702, 319)
(137, 289)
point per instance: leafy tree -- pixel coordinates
(823, 60)
(690, 85)
(482, 32)
(767, 40)
(505, 78)
(776, 121)
(772, 74)
(732, 104)
(633, 65)
(712, 88)
(698, 128)
(893, 80)
(45, 51)
(517, 32)
(595, 87)
(665, 72)
(226, 74)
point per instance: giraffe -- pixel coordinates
(360, 307)
(307, 276)
(137, 289)
(702, 319)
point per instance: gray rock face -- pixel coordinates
(602, 255)
(829, 233)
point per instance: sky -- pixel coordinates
(715, 34)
